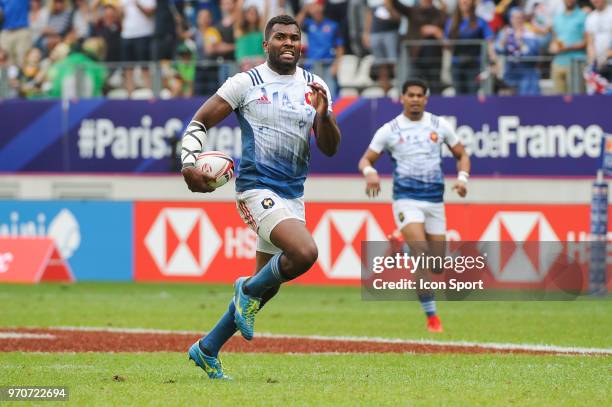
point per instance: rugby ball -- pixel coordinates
(216, 164)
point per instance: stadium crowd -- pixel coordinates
(199, 43)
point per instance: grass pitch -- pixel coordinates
(342, 379)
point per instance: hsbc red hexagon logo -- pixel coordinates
(520, 246)
(339, 235)
(182, 241)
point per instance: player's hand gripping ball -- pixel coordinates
(216, 164)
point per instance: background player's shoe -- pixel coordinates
(246, 309)
(434, 324)
(211, 365)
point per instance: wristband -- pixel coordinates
(369, 170)
(193, 141)
(463, 176)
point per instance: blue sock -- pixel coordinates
(216, 338)
(269, 276)
(428, 303)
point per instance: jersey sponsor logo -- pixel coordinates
(434, 137)
(521, 246)
(338, 235)
(263, 100)
(267, 203)
(182, 241)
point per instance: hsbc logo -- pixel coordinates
(520, 246)
(182, 241)
(339, 235)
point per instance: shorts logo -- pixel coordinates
(434, 136)
(401, 216)
(267, 203)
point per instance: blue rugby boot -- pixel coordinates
(211, 365)
(246, 309)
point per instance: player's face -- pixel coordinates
(283, 46)
(414, 100)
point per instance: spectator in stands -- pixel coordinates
(226, 47)
(540, 17)
(9, 76)
(15, 35)
(466, 61)
(599, 38)
(425, 22)
(248, 33)
(82, 20)
(225, 50)
(181, 84)
(108, 27)
(58, 23)
(206, 39)
(568, 42)
(164, 40)
(485, 9)
(38, 17)
(516, 42)
(79, 73)
(381, 37)
(210, 5)
(337, 10)
(29, 86)
(269, 8)
(138, 26)
(325, 43)
(56, 53)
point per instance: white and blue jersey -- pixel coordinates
(415, 148)
(276, 119)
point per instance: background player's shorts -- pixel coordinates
(263, 209)
(432, 214)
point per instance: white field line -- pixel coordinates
(365, 339)
(22, 335)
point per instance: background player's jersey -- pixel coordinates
(416, 152)
(275, 118)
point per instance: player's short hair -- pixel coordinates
(415, 82)
(282, 19)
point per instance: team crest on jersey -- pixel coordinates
(401, 216)
(308, 98)
(434, 136)
(267, 203)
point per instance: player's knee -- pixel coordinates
(303, 257)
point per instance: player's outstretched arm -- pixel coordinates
(463, 169)
(209, 114)
(369, 172)
(325, 126)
